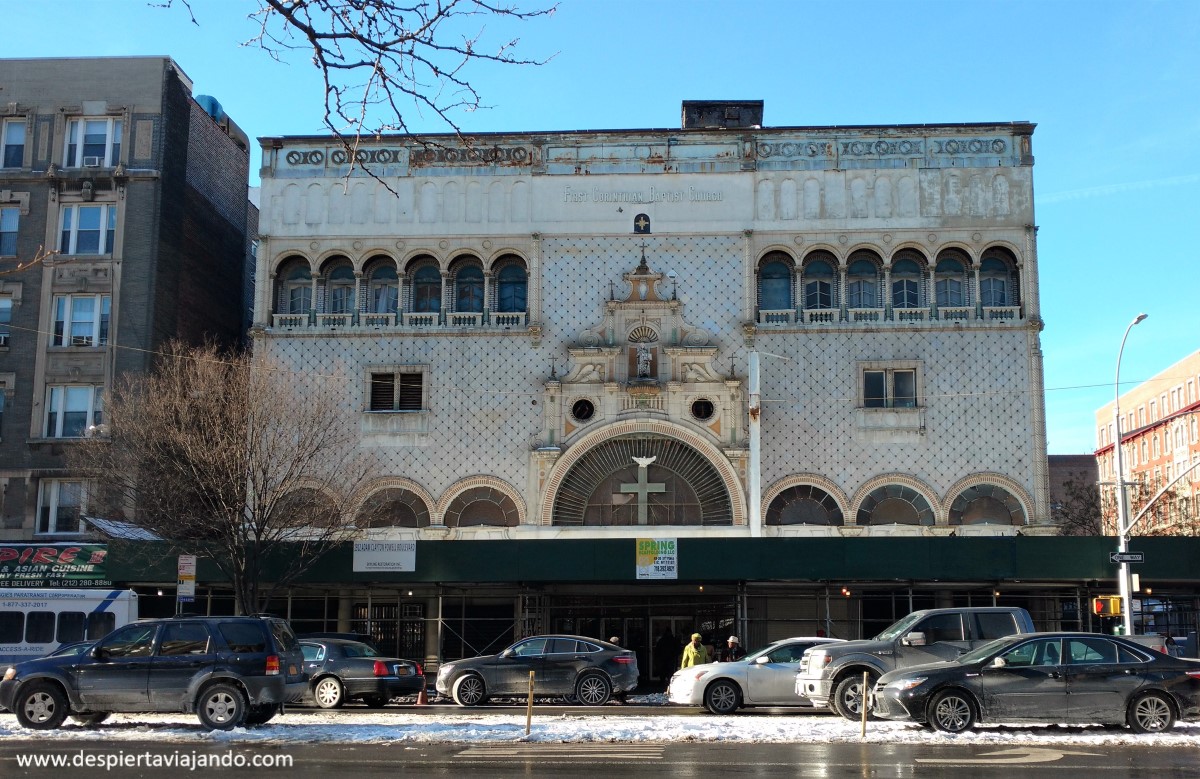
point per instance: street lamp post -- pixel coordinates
(1122, 529)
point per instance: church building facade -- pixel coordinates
(545, 339)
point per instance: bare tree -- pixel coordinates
(381, 59)
(1080, 513)
(226, 457)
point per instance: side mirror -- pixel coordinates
(914, 639)
(997, 662)
(762, 660)
(100, 653)
(507, 653)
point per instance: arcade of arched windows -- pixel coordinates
(381, 292)
(864, 286)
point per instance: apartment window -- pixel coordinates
(13, 140)
(397, 391)
(60, 506)
(819, 282)
(72, 408)
(88, 229)
(889, 386)
(93, 142)
(81, 320)
(5, 319)
(1154, 410)
(9, 219)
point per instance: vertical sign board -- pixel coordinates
(185, 583)
(385, 556)
(657, 558)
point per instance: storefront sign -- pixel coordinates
(53, 565)
(657, 558)
(385, 556)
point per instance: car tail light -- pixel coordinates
(625, 659)
(381, 668)
(1194, 674)
(272, 665)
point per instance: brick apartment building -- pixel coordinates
(138, 191)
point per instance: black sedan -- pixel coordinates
(340, 670)
(588, 668)
(1046, 677)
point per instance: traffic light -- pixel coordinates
(1107, 605)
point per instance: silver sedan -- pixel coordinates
(765, 677)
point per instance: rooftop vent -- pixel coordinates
(728, 114)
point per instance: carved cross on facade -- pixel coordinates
(644, 487)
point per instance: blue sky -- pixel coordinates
(1114, 88)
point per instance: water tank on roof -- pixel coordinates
(211, 107)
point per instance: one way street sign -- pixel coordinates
(1126, 557)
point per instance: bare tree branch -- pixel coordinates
(40, 256)
(225, 457)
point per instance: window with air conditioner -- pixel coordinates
(72, 408)
(87, 229)
(9, 221)
(93, 142)
(81, 320)
(60, 506)
(12, 138)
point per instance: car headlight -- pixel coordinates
(445, 669)
(908, 682)
(11, 673)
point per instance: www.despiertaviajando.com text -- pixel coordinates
(176, 760)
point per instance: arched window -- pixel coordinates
(775, 284)
(819, 282)
(862, 284)
(384, 289)
(468, 289)
(951, 282)
(986, 504)
(512, 289)
(804, 505)
(297, 289)
(427, 290)
(906, 284)
(340, 290)
(993, 282)
(895, 504)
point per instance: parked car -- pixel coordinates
(229, 671)
(1046, 677)
(341, 670)
(833, 675)
(765, 677)
(587, 668)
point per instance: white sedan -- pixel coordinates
(765, 677)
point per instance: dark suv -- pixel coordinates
(230, 671)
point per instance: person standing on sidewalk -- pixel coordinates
(732, 651)
(694, 653)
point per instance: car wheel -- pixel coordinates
(469, 690)
(91, 718)
(722, 697)
(262, 714)
(1151, 713)
(593, 690)
(375, 701)
(951, 711)
(41, 706)
(848, 697)
(329, 693)
(221, 707)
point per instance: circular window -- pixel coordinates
(583, 409)
(702, 409)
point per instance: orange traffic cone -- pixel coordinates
(422, 698)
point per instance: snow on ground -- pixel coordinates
(403, 725)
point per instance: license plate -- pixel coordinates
(401, 670)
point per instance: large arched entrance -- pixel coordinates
(642, 479)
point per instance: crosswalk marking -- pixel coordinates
(552, 751)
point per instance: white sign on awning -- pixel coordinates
(385, 556)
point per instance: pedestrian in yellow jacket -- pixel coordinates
(694, 653)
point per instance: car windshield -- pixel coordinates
(899, 628)
(983, 652)
(355, 649)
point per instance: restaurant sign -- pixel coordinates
(54, 565)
